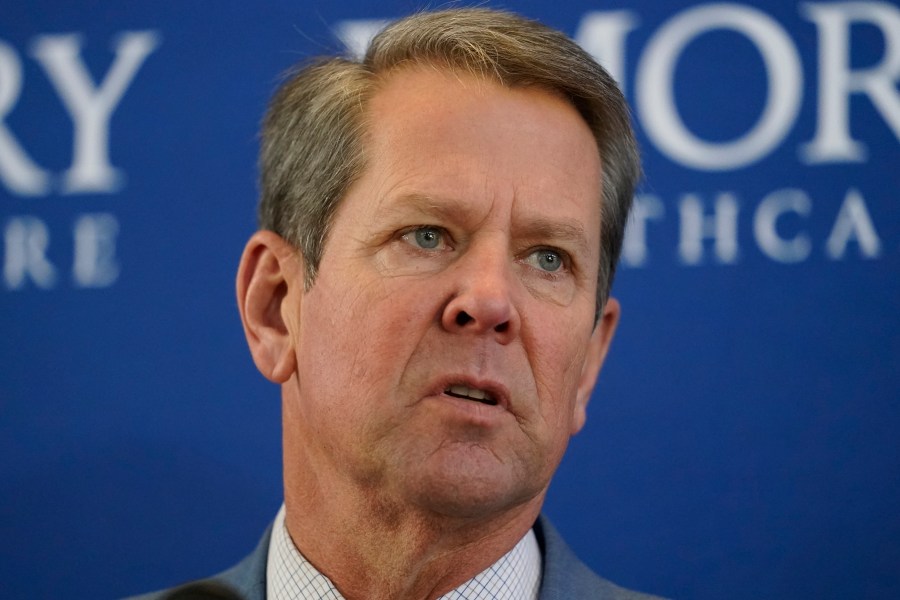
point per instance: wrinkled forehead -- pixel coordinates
(399, 98)
(451, 136)
(472, 75)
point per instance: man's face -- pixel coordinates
(446, 350)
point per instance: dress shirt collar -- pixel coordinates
(289, 576)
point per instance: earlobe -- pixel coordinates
(598, 346)
(269, 277)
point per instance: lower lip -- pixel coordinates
(473, 411)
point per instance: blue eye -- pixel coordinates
(426, 237)
(546, 260)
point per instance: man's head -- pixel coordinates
(425, 286)
(314, 133)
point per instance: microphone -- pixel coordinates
(203, 590)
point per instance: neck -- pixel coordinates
(374, 546)
(367, 553)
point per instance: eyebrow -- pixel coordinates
(571, 232)
(429, 206)
(453, 209)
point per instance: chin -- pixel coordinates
(472, 487)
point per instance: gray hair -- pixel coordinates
(312, 137)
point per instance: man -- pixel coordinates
(440, 225)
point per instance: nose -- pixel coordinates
(482, 301)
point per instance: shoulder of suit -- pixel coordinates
(245, 580)
(566, 577)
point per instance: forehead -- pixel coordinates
(465, 137)
(442, 106)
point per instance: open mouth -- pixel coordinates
(467, 393)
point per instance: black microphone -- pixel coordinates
(203, 590)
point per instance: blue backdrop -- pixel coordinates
(742, 442)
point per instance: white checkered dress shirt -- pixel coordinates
(289, 576)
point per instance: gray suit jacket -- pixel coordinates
(564, 578)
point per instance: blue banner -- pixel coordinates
(742, 440)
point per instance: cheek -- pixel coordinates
(362, 330)
(557, 360)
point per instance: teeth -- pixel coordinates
(467, 392)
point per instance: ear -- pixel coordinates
(598, 346)
(269, 293)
